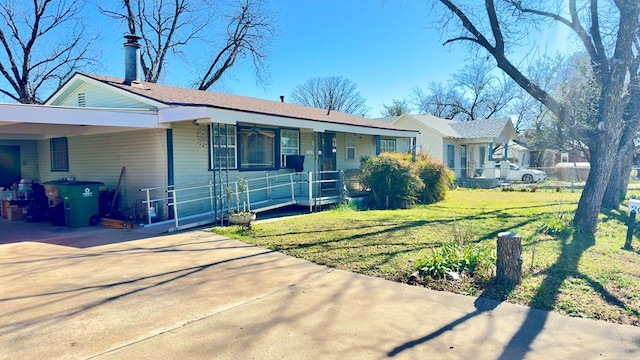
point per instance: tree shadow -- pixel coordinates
(481, 304)
(567, 265)
(573, 247)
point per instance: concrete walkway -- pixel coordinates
(196, 295)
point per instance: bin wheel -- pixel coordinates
(94, 220)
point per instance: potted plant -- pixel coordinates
(237, 216)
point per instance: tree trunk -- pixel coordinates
(603, 150)
(509, 259)
(617, 187)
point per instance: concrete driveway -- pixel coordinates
(196, 295)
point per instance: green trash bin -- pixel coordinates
(81, 202)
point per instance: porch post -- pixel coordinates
(506, 151)
(170, 174)
(414, 144)
(490, 158)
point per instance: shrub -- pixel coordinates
(392, 180)
(455, 257)
(555, 224)
(437, 178)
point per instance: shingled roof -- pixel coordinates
(176, 96)
(479, 129)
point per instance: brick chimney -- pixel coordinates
(131, 59)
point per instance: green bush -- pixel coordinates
(392, 180)
(455, 257)
(397, 181)
(437, 178)
(555, 224)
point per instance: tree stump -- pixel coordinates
(509, 261)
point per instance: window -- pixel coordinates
(564, 157)
(351, 147)
(289, 144)
(451, 153)
(388, 145)
(257, 148)
(59, 154)
(223, 150)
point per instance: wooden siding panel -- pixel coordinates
(101, 158)
(307, 149)
(95, 96)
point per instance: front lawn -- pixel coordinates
(571, 273)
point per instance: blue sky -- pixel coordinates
(385, 47)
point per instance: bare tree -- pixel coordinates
(168, 26)
(617, 187)
(474, 93)
(440, 99)
(248, 33)
(164, 26)
(42, 43)
(610, 59)
(333, 93)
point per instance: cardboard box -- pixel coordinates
(15, 213)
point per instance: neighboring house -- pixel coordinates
(516, 153)
(552, 158)
(169, 137)
(464, 147)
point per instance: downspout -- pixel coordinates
(170, 169)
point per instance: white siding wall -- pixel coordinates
(190, 159)
(307, 140)
(428, 141)
(101, 157)
(98, 97)
(28, 157)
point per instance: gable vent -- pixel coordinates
(82, 102)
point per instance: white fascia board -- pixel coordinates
(202, 114)
(33, 131)
(42, 114)
(232, 117)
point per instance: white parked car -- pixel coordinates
(516, 173)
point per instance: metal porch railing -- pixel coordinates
(191, 205)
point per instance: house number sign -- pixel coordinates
(634, 205)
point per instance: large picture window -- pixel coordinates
(257, 148)
(289, 144)
(223, 152)
(59, 154)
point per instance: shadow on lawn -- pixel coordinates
(573, 248)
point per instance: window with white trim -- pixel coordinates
(289, 144)
(59, 154)
(564, 156)
(223, 150)
(351, 147)
(387, 145)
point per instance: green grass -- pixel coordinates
(564, 271)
